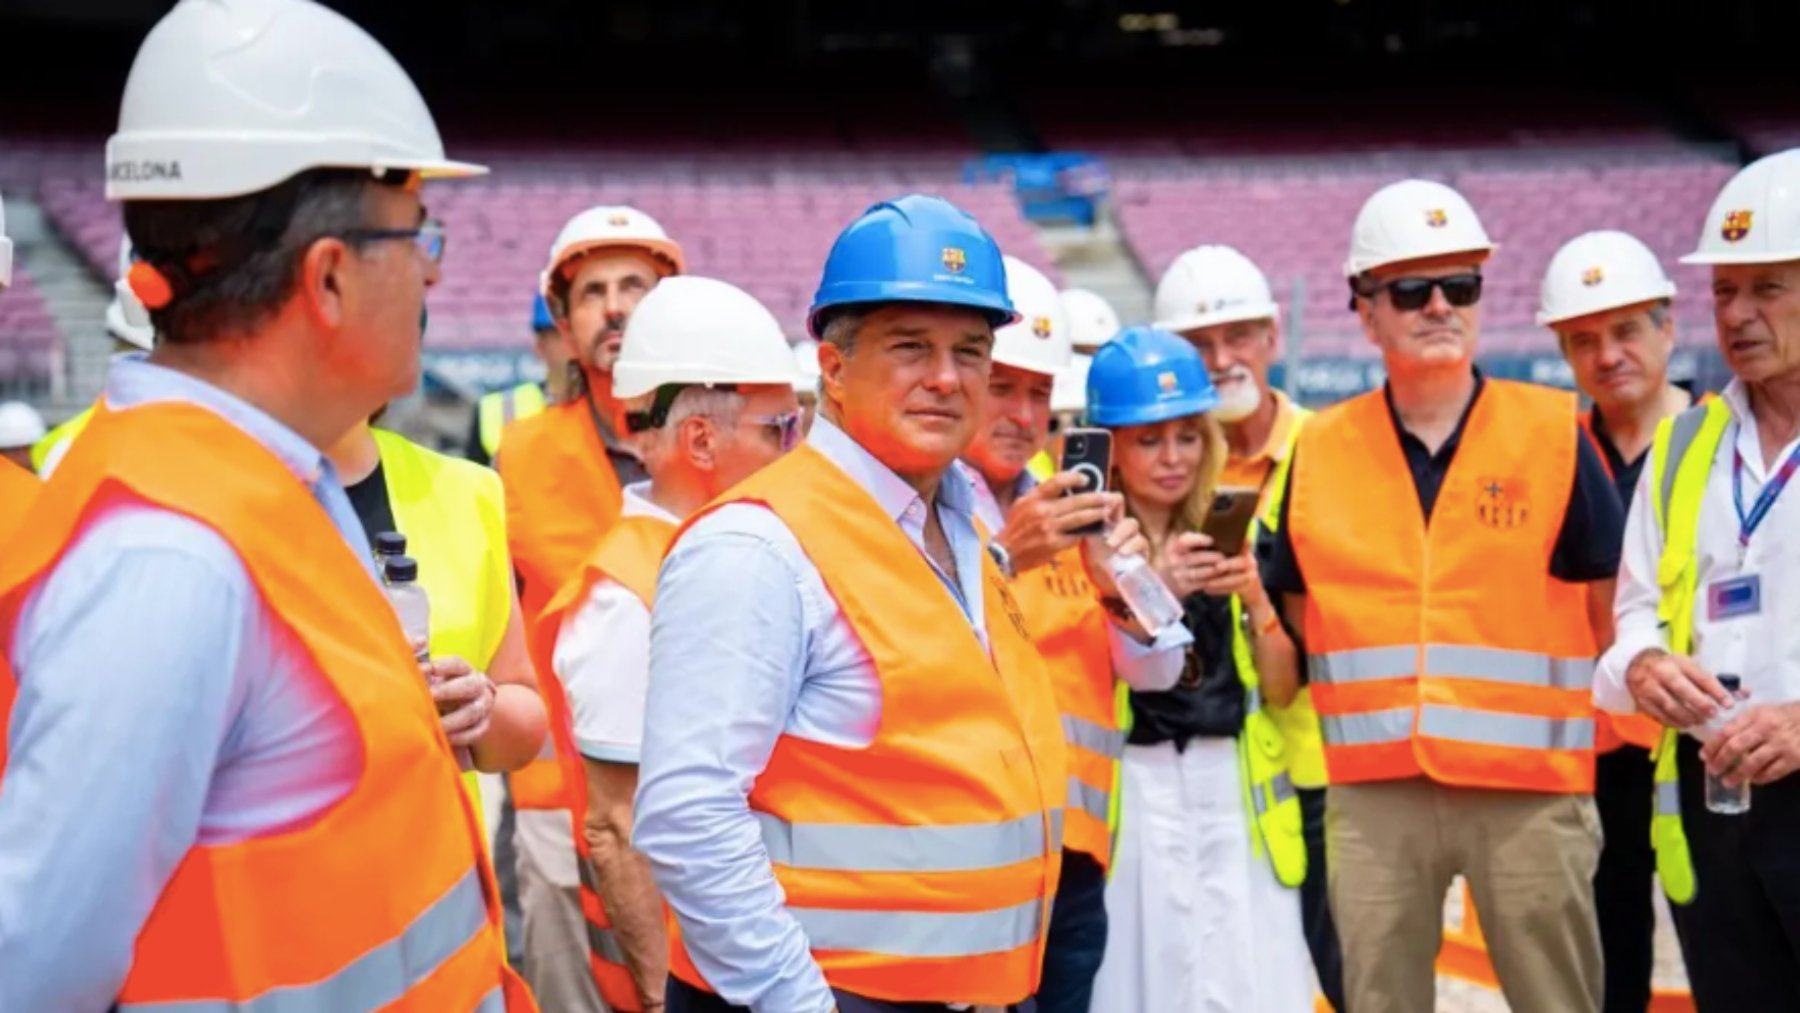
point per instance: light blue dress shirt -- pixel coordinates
(161, 705)
(746, 644)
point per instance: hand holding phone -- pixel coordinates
(1228, 522)
(1087, 453)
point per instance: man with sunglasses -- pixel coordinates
(1447, 550)
(225, 780)
(707, 379)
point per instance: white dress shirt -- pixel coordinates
(603, 657)
(1762, 650)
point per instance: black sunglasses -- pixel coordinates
(1408, 294)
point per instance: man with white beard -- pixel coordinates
(1220, 302)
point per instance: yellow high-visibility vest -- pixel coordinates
(496, 410)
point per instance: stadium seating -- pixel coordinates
(31, 346)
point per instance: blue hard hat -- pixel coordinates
(914, 249)
(540, 314)
(1147, 375)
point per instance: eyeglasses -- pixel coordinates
(429, 236)
(786, 427)
(1409, 294)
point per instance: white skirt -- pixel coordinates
(1198, 922)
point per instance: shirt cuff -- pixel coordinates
(1610, 689)
(608, 752)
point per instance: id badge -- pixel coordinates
(1731, 599)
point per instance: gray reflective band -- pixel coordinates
(1089, 799)
(1668, 798)
(1513, 731)
(1456, 661)
(1682, 434)
(1281, 786)
(377, 978)
(1365, 664)
(885, 847)
(509, 405)
(493, 1002)
(922, 934)
(1368, 728)
(1095, 738)
(601, 941)
(547, 751)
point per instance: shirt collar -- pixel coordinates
(1737, 397)
(955, 493)
(1275, 448)
(133, 380)
(639, 504)
(1387, 394)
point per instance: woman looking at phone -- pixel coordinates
(1200, 917)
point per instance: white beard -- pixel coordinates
(1238, 400)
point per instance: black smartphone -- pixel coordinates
(1088, 453)
(1228, 522)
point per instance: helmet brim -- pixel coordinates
(1161, 411)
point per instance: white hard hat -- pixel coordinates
(1039, 342)
(5, 250)
(1412, 220)
(1600, 271)
(126, 318)
(1092, 320)
(700, 330)
(1756, 218)
(1069, 394)
(611, 225)
(20, 425)
(806, 360)
(231, 97)
(1211, 285)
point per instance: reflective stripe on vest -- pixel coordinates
(921, 935)
(856, 847)
(1109, 742)
(1454, 661)
(1441, 646)
(1298, 721)
(1681, 459)
(377, 978)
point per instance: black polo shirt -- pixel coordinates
(1587, 547)
(1624, 473)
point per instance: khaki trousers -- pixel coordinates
(555, 943)
(1393, 848)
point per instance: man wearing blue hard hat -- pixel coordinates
(499, 408)
(853, 771)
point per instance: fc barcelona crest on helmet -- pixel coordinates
(1736, 226)
(955, 259)
(1437, 218)
(1593, 276)
(1502, 503)
(618, 219)
(1166, 382)
(1040, 326)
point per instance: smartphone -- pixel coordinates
(1088, 453)
(1228, 522)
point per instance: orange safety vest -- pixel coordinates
(1070, 630)
(631, 553)
(561, 496)
(383, 901)
(18, 488)
(1614, 730)
(1446, 649)
(922, 866)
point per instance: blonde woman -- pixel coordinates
(1199, 921)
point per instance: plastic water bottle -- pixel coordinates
(1145, 593)
(388, 544)
(401, 575)
(1721, 798)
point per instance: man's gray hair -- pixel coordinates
(842, 327)
(723, 406)
(1659, 314)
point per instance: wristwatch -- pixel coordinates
(1002, 559)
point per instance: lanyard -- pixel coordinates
(1749, 522)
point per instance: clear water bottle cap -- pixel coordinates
(390, 543)
(400, 569)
